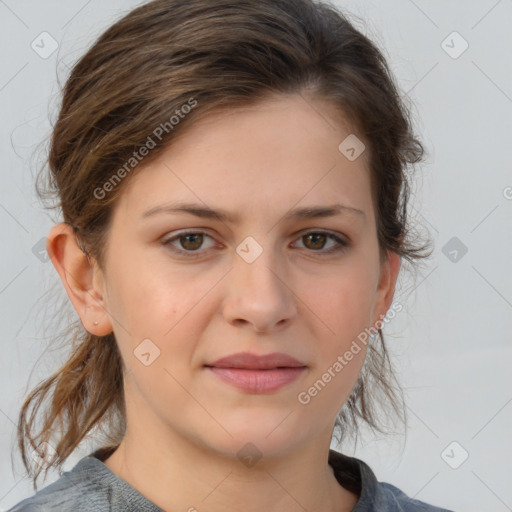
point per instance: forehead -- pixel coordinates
(268, 156)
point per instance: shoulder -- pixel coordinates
(358, 477)
(389, 498)
(74, 490)
(89, 487)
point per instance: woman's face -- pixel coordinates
(257, 277)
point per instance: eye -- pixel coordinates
(188, 242)
(317, 240)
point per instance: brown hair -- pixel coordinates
(215, 56)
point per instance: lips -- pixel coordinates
(248, 361)
(257, 374)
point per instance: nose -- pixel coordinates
(259, 295)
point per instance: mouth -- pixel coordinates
(257, 374)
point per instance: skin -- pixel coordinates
(184, 425)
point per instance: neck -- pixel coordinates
(180, 475)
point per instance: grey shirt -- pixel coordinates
(91, 487)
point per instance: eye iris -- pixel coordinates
(318, 240)
(195, 239)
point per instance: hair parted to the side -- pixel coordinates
(221, 55)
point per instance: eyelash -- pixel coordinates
(342, 244)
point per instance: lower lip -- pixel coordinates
(258, 381)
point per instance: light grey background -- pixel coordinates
(451, 342)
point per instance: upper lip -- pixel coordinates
(249, 361)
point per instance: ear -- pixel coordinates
(390, 268)
(81, 277)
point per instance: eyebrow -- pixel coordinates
(205, 212)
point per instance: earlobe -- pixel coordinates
(81, 278)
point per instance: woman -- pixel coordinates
(232, 183)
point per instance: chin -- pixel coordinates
(262, 432)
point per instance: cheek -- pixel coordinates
(342, 302)
(146, 297)
(170, 308)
